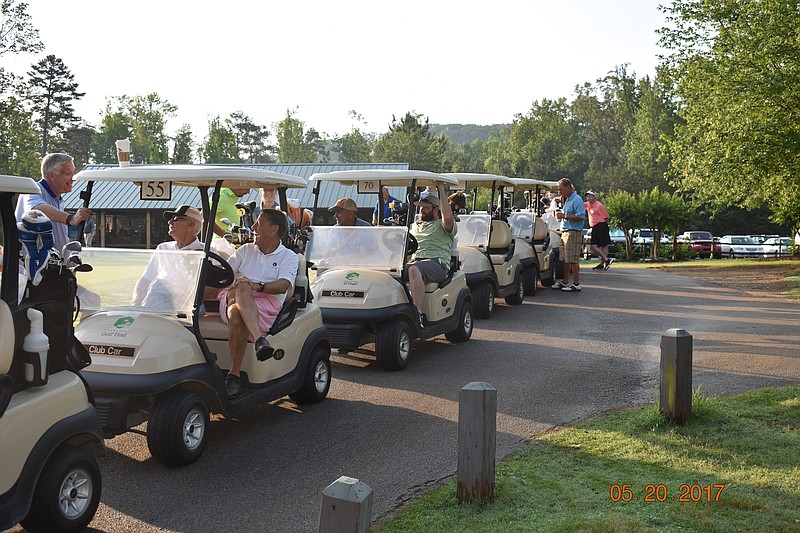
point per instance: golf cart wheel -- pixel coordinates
(530, 279)
(67, 494)
(317, 379)
(177, 432)
(464, 330)
(483, 296)
(393, 345)
(519, 293)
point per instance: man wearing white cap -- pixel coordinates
(598, 221)
(434, 231)
(184, 225)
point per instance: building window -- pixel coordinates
(126, 230)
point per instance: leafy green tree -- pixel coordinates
(735, 65)
(52, 90)
(411, 140)
(183, 146)
(77, 142)
(148, 118)
(679, 218)
(17, 34)
(355, 146)
(19, 144)
(497, 154)
(469, 157)
(252, 140)
(296, 145)
(220, 143)
(655, 210)
(114, 125)
(625, 212)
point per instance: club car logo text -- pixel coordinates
(106, 349)
(343, 294)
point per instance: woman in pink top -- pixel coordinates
(598, 221)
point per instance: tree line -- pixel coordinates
(716, 126)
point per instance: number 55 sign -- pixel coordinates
(156, 190)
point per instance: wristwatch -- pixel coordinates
(261, 286)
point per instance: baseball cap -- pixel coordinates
(188, 211)
(345, 203)
(591, 192)
(429, 200)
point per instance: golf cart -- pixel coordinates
(49, 430)
(163, 359)
(495, 266)
(361, 284)
(531, 231)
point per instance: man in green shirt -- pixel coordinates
(227, 208)
(434, 231)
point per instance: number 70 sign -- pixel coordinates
(156, 190)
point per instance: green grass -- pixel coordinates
(562, 481)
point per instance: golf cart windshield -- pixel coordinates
(521, 224)
(473, 230)
(377, 248)
(153, 281)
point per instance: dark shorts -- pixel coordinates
(432, 270)
(600, 236)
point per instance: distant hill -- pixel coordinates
(461, 133)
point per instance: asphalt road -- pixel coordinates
(556, 359)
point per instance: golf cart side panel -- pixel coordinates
(287, 340)
(525, 251)
(134, 343)
(79, 429)
(473, 260)
(32, 413)
(442, 302)
(357, 289)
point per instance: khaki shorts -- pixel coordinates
(571, 244)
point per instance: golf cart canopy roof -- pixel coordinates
(17, 184)
(194, 176)
(394, 178)
(527, 184)
(466, 180)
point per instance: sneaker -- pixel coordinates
(558, 285)
(608, 264)
(600, 266)
(422, 320)
(232, 386)
(571, 288)
(263, 350)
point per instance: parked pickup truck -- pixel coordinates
(700, 243)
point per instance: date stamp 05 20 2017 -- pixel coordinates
(660, 493)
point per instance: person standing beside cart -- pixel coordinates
(598, 221)
(571, 215)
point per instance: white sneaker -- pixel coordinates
(557, 285)
(608, 263)
(571, 288)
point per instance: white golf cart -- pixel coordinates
(493, 263)
(530, 229)
(163, 358)
(49, 430)
(361, 285)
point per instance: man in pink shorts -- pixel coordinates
(265, 270)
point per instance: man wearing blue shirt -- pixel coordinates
(571, 215)
(387, 211)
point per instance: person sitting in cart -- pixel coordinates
(435, 231)
(264, 271)
(163, 275)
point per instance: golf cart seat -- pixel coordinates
(7, 337)
(501, 247)
(541, 234)
(212, 326)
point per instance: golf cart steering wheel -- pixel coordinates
(219, 274)
(412, 244)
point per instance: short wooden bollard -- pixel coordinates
(675, 375)
(346, 507)
(477, 440)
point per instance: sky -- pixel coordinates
(461, 62)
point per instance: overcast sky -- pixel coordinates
(452, 61)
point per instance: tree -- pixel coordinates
(17, 34)
(148, 118)
(18, 141)
(52, 89)
(625, 212)
(183, 146)
(735, 65)
(114, 125)
(296, 145)
(411, 140)
(252, 140)
(77, 142)
(220, 143)
(355, 146)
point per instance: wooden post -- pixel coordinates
(346, 507)
(675, 376)
(477, 428)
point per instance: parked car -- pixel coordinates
(617, 242)
(761, 238)
(646, 236)
(739, 246)
(777, 246)
(700, 243)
